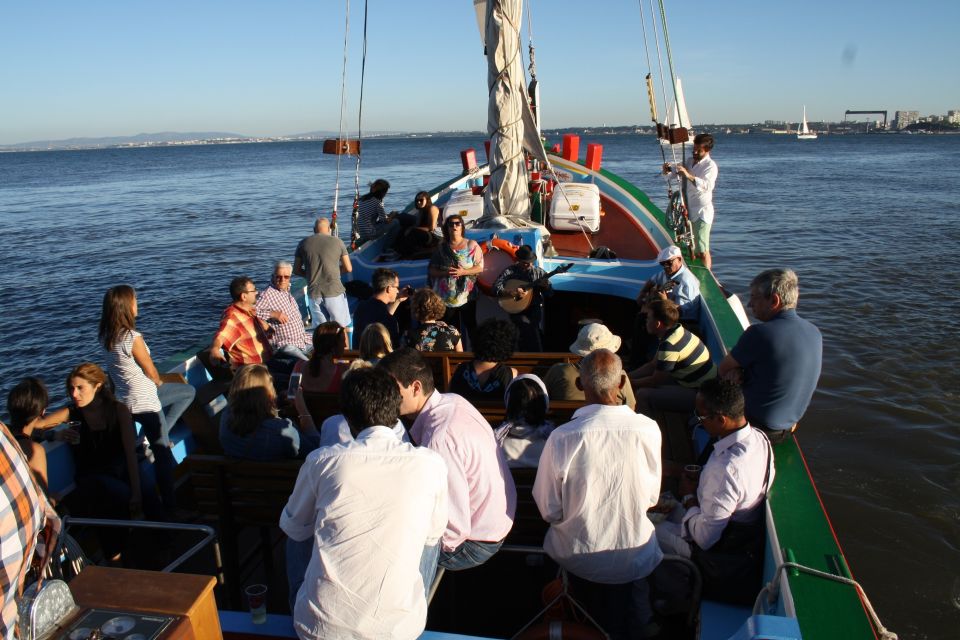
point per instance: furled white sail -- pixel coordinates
(510, 123)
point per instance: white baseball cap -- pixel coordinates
(668, 253)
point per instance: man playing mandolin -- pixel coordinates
(675, 283)
(525, 283)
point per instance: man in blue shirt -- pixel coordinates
(779, 359)
(686, 287)
(675, 283)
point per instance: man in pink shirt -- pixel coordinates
(483, 498)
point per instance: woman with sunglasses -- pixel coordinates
(453, 272)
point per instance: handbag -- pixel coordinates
(44, 604)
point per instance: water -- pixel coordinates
(870, 223)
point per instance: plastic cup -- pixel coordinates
(692, 472)
(257, 598)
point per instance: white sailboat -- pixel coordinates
(803, 131)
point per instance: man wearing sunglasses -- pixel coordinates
(675, 283)
(278, 308)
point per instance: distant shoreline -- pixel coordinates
(832, 129)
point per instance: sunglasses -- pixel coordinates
(455, 223)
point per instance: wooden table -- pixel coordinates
(153, 592)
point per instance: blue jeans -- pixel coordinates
(163, 460)
(469, 554)
(323, 309)
(298, 557)
(428, 566)
(175, 398)
(291, 351)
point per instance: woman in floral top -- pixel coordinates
(432, 333)
(453, 273)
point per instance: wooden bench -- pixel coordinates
(238, 494)
(444, 363)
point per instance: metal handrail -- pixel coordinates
(209, 535)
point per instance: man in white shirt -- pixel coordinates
(371, 506)
(722, 510)
(598, 475)
(701, 174)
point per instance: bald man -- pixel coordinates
(321, 258)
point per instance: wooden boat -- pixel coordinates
(809, 593)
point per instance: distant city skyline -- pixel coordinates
(119, 69)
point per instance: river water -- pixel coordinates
(870, 223)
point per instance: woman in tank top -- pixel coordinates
(138, 384)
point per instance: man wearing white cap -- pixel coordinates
(561, 378)
(686, 287)
(675, 283)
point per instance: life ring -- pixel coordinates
(502, 245)
(498, 254)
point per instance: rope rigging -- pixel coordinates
(354, 230)
(678, 217)
(342, 145)
(343, 104)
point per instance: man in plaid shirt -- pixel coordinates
(242, 333)
(278, 308)
(23, 509)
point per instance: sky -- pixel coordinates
(105, 68)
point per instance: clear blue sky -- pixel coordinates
(101, 68)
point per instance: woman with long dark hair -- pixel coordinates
(138, 383)
(322, 373)
(418, 235)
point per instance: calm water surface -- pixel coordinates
(870, 223)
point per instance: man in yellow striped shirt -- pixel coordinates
(669, 382)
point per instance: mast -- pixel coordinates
(510, 123)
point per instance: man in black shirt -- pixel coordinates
(381, 306)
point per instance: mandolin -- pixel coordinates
(520, 302)
(655, 292)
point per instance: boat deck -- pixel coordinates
(619, 230)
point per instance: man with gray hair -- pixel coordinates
(279, 309)
(778, 361)
(321, 258)
(598, 475)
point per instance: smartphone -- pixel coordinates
(295, 379)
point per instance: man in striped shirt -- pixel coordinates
(669, 382)
(373, 220)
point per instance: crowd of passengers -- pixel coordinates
(403, 457)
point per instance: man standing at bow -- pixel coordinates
(700, 172)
